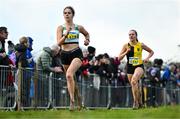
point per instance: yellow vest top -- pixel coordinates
(134, 56)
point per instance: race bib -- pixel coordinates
(72, 35)
(134, 60)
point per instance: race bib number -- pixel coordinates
(134, 60)
(72, 36)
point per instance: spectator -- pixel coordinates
(166, 73)
(11, 52)
(44, 65)
(27, 72)
(154, 74)
(3, 37)
(4, 59)
(44, 61)
(92, 52)
(85, 63)
(21, 52)
(29, 56)
(31, 64)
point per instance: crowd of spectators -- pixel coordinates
(158, 73)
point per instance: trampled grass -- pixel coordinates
(167, 112)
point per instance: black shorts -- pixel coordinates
(68, 56)
(131, 69)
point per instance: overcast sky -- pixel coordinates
(108, 22)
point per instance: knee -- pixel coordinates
(133, 82)
(69, 76)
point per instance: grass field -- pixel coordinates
(168, 112)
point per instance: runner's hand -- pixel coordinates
(146, 60)
(86, 42)
(67, 31)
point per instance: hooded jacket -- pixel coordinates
(44, 61)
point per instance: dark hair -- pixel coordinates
(100, 56)
(10, 43)
(91, 49)
(135, 33)
(71, 8)
(106, 55)
(158, 62)
(2, 28)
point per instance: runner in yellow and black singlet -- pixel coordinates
(135, 69)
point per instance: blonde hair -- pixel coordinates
(23, 40)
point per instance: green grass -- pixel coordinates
(169, 112)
